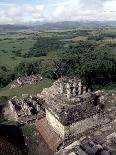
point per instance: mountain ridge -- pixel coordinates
(59, 25)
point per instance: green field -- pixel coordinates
(22, 41)
(13, 43)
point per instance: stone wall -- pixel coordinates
(10, 112)
(85, 124)
(28, 108)
(75, 128)
(72, 116)
(57, 126)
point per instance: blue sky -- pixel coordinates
(22, 11)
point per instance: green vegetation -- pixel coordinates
(45, 45)
(28, 130)
(3, 102)
(26, 89)
(88, 53)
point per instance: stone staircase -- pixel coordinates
(51, 138)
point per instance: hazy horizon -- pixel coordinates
(24, 11)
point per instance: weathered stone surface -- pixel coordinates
(27, 107)
(32, 79)
(89, 148)
(9, 112)
(71, 113)
(71, 110)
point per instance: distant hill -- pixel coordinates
(12, 27)
(75, 24)
(59, 25)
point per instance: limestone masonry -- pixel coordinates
(73, 108)
(70, 112)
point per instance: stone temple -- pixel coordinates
(72, 109)
(70, 118)
(77, 120)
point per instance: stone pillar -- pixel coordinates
(79, 88)
(68, 90)
(74, 88)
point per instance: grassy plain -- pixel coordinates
(21, 41)
(24, 40)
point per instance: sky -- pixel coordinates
(24, 11)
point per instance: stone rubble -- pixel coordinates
(32, 79)
(71, 103)
(28, 108)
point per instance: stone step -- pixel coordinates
(49, 135)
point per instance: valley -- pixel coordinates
(71, 72)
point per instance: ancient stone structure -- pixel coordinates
(67, 115)
(71, 109)
(26, 109)
(71, 87)
(89, 148)
(9, 112)
(32, 79)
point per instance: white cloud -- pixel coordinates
(7, 4)
(19, 14)
(110, 6)
(62, 10)
(84, 10)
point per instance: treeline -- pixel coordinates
(89, 60)
(43, 46)
(6, 76)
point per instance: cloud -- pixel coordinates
(84, 10)
(7, 4)
(20, 14)
(62, 10)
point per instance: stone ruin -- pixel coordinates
(65, 110)
(72, 87)
(32, 79)
(72, 109)
(89, 148)
(26, 109)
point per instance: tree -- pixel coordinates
(28, 68)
